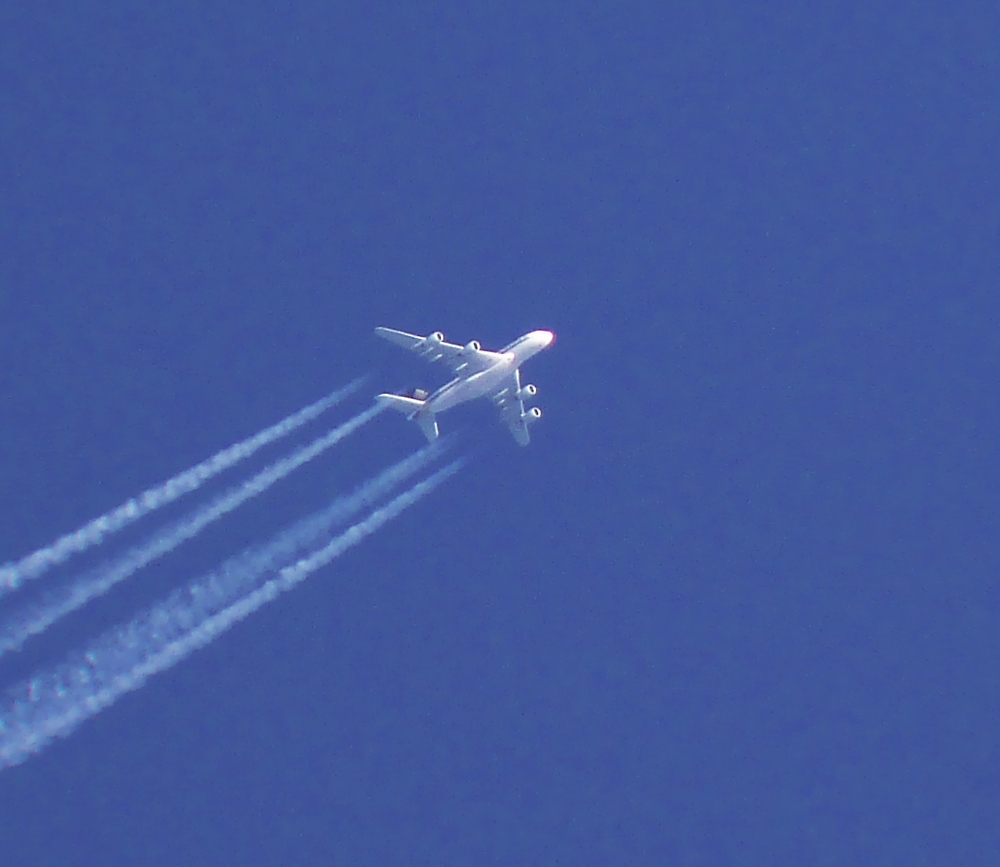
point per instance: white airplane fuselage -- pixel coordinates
(485, 382)
(478, 372)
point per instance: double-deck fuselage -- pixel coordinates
(478, 373)
(489, 381)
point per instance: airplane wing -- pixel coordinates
(508, 401)
(463, 360)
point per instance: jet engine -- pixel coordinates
(527, 392)
(435, 337)
(473, 346)
(532, 415)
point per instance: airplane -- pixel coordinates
(478, 373)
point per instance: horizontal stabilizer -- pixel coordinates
(412, 407)
(409, 405)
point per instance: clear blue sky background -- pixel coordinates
(736, 604)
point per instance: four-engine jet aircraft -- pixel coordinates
(478, 373)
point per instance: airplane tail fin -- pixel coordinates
(413, 409)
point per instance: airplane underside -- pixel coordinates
(478, 372)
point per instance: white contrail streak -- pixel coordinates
(55, 703)
(36, 617)
(13, 574)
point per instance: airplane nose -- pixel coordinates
(548, 336)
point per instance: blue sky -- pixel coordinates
(737, 602)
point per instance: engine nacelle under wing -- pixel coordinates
(527, 392)
(429, 347)
(531, 416)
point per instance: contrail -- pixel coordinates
(54, 703)
(13, 574)
(36, 617)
